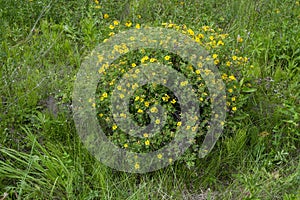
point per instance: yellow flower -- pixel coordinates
(166, 98)
(200, 36)
(147, 103)
(170, 25)
(146, 135)
(147, 142)
(153, 110)
(159, 156)
(121, 96)
(234, 57)
(145, 58)
(167, 57)
(178, 123)
(239, 39)
(128, 24)
(216, 61)
(233, 99)
(139, 16)
(152, 60)
(116, 22)
(137, 98)
(111, 27)
(140, 111)
(173, 101)
(215, 56)
(137, 26)
(104, 94)
(184, 83)
(205, 28)
(197, 40)
(137, 71)
(105, 16)
(100, 58)
(101, 115)
(133, 65)
(223, 36)
(112, 82)
(232, 77)
(157, 121)
(211, 37)
(194, 128)
(170, 160)
(234, 108)
(230, 90)
(114, 127)
(220, 43)
(228, 63)
(137, 166)
(190, 31)
(101, 70)
(134, 86)
(123, 115)
(125, 145)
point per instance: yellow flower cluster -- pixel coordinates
(122, 49)
(141, 104)
(166, 97)
(144, 59)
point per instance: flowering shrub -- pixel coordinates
(150, 97)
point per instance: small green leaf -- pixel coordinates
(249, 90)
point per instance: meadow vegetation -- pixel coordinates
(254, 44)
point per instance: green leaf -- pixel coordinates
(249, 90)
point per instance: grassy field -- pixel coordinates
(42, 46)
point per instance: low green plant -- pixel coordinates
(146, 98)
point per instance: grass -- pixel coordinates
(42, 45)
